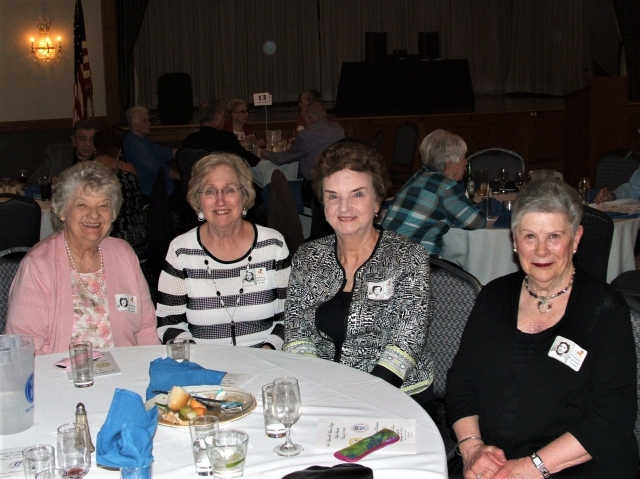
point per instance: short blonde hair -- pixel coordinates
(207, 164)
(234, 104)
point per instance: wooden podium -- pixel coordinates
(596, 121)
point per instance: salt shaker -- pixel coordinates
(81, 417)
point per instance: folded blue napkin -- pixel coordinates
(496, 206)
(126, 437)
(504, 220)
(166, 373)
(616, 216)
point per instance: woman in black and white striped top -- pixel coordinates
(224, 282)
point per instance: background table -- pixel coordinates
(488, 253)
(327, 389)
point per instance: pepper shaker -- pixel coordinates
(81, 417)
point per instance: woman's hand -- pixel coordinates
(483, 461)
(522, 468)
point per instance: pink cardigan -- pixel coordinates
(40, 303)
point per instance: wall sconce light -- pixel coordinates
(44, 50)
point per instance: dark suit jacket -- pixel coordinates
(211, 139)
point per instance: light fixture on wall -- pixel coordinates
(45, 50)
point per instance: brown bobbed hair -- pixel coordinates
(108, 142)
(207, 164)
(353, 155)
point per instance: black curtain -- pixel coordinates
(628, 17)
(130, 14)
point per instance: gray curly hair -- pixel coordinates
(91, 177)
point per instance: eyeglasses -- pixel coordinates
(240, 111)
(225, 192)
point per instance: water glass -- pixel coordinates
(74, 453)
(272, 427)
(22, 177)
(287, 408)
(178, 349)
(227, 451)
(503, 177)
(6, 185)
(52, 474)
(38, 458)
(143, 472)
(584, 185)
(81, 356)
(482, 182)
(199, 428)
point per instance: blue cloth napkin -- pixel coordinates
(504, 220)
(617, 216)
(496, 206)
(32, 191)
(126, 437)
(166, 373)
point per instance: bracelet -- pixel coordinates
(457, 448)
(540, 465)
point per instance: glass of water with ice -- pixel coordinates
(199, 428)
(227, 450)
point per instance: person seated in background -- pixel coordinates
(630, 189)
(211, 136)
(69, 286)
(544, 380)
(224, 282)
(362, 296)
(306, 97)
(129, 224)
(236, 123)
(432, 201)
(61, 156)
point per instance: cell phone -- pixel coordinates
(66, 362)
(366, 446)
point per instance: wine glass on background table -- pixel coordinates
(287, 407)
(74, 453)
(503, 176)
(519, 179)
(584, 185)
(22, 178)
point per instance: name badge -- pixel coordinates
(380, 291)
(127, 303)
(567, 352)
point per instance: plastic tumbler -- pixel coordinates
(17, 358)
(38, 458)
(81, 355)
(272, 427)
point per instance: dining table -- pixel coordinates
(487, 253)
(46, 228)
(329, 391)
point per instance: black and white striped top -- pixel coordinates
(188, 304)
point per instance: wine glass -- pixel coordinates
(503, 176)
(74, 453)
(22, 177)
(287, 406)
(519, 179)
(584, 185)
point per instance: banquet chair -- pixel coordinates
(628, 283)
(402, 161)
(615, 167)
(595, 245)
(9, 261)
(283, 214)
(634, 310)
(19, 221)
(454, 294)
(493, 159)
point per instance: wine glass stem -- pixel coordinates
(287, 443)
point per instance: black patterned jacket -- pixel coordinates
(390, 329)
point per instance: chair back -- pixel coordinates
(628, 283)
(595, 245)
(19, 221)
(634, 310)
(185, 160)
(9, 263)
(406, 140)
(283, 214)
(614, 168)
(494, 159)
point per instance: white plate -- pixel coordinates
(233, 394)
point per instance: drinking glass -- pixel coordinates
(22, 177)
(38, 458)
(199, 428)
(227, 451)
(178, 349)
(74, 455)
(287, 407)
(503, 177)
(6, 185)
(584, 185)
(52, 474)
(519, 179)
(272, 427)
(81, 356)
(45, 188)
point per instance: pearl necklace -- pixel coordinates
(219, 295)
(101, 271)
(544, 305)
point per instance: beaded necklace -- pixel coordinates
(544, 305)
(101, 271)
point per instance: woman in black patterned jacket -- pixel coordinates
(361, 297)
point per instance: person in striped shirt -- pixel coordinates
(432, 201)
(225, 281)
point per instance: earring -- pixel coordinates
(244, 211)
(62, 219)
(201, 216)
(376, 214)
(515, 250)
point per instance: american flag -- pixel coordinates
(83, 86)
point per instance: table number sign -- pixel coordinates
(262, 99)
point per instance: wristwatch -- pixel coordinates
(540, 465)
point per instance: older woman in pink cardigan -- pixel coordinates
(79, 284)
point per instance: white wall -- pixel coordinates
(42, 91)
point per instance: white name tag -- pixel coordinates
(568, 352)
(380, 291)
(125, 302)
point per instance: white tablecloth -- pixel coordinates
(262, 172)
(327, 389)
(46, 228)
(488, 253)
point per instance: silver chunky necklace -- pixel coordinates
(544, 303)
(219, 295)
(101, 271)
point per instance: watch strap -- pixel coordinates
(540, 465)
